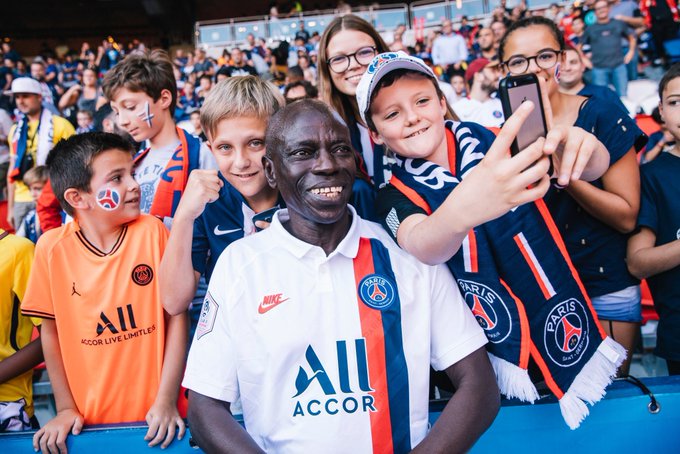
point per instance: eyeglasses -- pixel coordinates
(545, 59)
(340, 63)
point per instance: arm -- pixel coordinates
(176, 290)
(645, 259)
(470, 411)
(631, 48)
(52, 437)
(163, 417)
(21, 361)
(69, 98)
(214, 429)
(618, 203)
(634, 22)
(10, 192)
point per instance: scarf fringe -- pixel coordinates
(590, 384)
(513, 381)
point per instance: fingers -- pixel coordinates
(161, 431)
(153, 427)
(170, 434)
(501, 145)
(77, 426)
(182, 428)
(61, 440)
(36, 439)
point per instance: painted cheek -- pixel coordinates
(145, 115)
(557, 73)
(108, 198)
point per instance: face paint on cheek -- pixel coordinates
(108, 199)
(146, 115)
(557, 73)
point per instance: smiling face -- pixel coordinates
(529, 42)
(111, 177)
(313, 167)
(348, 42)
(409, 118)
(238, 147)
(132, 116)
(571, 72)
(669, 107)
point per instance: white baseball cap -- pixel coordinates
(380, 66)
(25, 85)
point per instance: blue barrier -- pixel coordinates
(621, 422)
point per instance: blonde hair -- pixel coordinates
(37, 174)
(239, 96)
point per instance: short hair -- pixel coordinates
(672, 73)
(310, 90)
(528, 22)
(393, 77)
(86, 112)
(149, 72)
(281, 120)
(37, 174)
(239, 97)
(70, 161)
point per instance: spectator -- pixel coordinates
(48, 93)
(35, 179)
(201, 63)
(195, 120)
(629, 13)
(10, 53)
(324, 227)
(238, 66)
(308, 70)
(205, 83)
(82, 96)
(498, 28)
(18, 354)
(479, 106)
(449, 49)
(659, 141)
(31, 139)
(300, 89)
(571, 80)
(607, 56)
(5, 128)
(653, 251)
(92, 177)
(486, 46)
(301, 33)
(577, 29)
(142, 91)
(68, 71)
(85, 119)
(452, 95)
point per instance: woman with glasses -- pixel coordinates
(347, 46)
(593, 218)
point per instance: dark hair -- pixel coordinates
(672, 73)
(528, 22)
(70, 161)
(87, 112)
(310, 90)
(656, 116)
(148, 72)
(394, 76)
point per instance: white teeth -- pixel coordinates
(332, 191)
(417, 133)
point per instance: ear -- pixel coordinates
(74, 197)
(269, 172)
(661, 111)
(376, 137)
(165, 98)
(443, 106)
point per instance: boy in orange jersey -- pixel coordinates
(112, 353)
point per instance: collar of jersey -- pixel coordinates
(349, 246)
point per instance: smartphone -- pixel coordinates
(513, 91)
(266, 216)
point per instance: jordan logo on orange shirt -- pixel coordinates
(74, 291)
(269, 302)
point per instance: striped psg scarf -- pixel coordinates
(19, 142)
(380, 314)
(518, 280)
(175, 176)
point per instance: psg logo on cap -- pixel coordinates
(380, 60)
(377, 291)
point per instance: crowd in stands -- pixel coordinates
(197, 126)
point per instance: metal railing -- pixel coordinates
(231, 32)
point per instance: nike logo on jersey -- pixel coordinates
(219, 232)
(269, 302)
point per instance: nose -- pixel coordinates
(241, 159)
(411, 117)
(324, 162)
(533, 66)
(122, 119)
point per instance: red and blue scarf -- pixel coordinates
(518, 280)
(175, 176)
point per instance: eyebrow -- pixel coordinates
(114, 171)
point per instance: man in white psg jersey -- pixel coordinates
(324, 328)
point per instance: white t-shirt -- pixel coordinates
(488, 114)
(325, 351)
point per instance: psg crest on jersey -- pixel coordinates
(377, 291)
